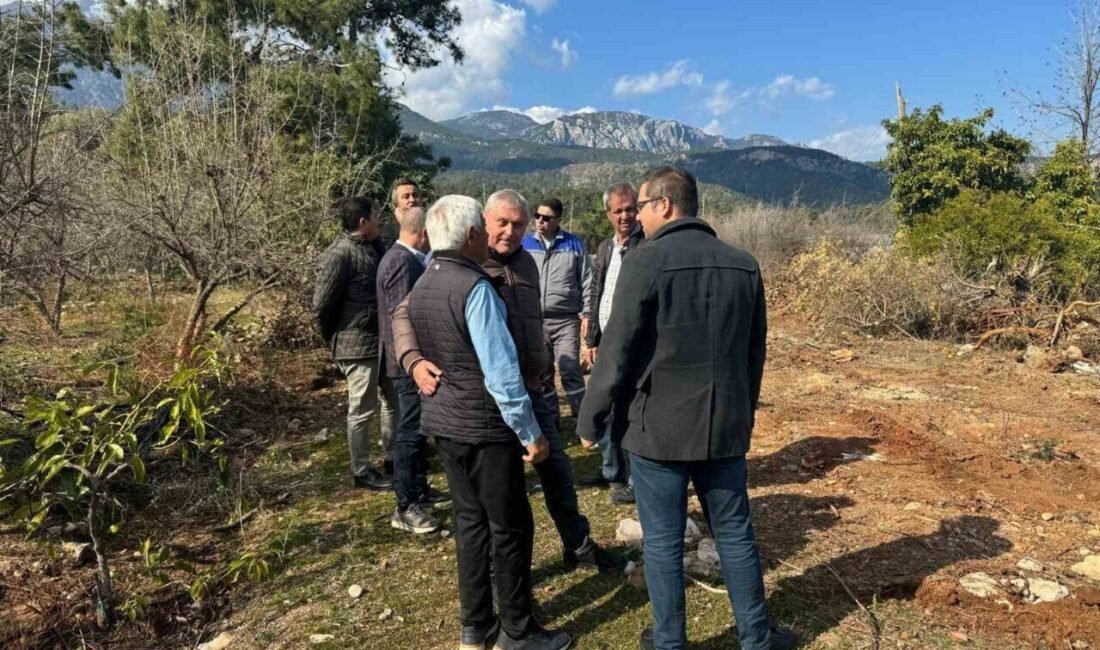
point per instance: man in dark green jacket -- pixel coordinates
(682, 359)
(345, 313)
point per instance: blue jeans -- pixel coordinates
(613, 466)
(661, 490)
(410, 446)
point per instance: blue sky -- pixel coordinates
(820, 73)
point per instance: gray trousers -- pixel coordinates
(564, 335)
(362, 376)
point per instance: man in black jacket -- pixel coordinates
(684, 353)
(620, 201)
(401, 267)
(345, 313)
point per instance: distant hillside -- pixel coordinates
(786, 174)
(492, 125)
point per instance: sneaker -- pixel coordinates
(414, 520)
(373, 481)
(622, 494)
(433, 498)
(476, 637)
(590, 554)
(783, 638)
(593, 481)
(536, 639)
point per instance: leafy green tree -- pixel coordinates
(933, 160)
(1068, 182)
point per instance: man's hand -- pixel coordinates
(537, 451)
(590, 356)
(588, 444)
(584, 328)
(426, 375)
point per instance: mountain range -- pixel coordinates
(509, 147)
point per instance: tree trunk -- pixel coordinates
(105, 591)
(196, 318)
(58, 303)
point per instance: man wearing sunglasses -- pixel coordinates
(565, 277)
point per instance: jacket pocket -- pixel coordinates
(638, 404)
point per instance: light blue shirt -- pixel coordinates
(496, 352)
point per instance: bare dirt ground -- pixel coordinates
(881, 475)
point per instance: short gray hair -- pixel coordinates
(411, 220)
(450, 218)
(618, 189)
(507, 198)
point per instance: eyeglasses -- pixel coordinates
(545, 217)
(642, 204)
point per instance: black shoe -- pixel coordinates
(476, 637)
(645, 642)
(373, 481)
(593, 481)
(590, 554)
(535, 639)
(783, 638)
(622, 494)
(433, 498)
(387, 468)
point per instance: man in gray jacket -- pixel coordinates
(345, 313)
(565, 275)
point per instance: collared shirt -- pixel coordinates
(549, 243)
(496, 352)
(618, 249)
(420, 257)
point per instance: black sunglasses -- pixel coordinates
(545, 217)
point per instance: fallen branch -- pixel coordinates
(1062, 317)
(236, 523)
(713, 590)
(1000, 331)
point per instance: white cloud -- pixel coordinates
(720, 101)
(811, 87)
(713, 128)
(568, 55)
(861, 143)
(490, 33)
(544, 114)
(541, 6)
(678, 73)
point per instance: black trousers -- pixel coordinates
(556, 475)
(493, 522)
(410, 446)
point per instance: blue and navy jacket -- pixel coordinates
(565, 274)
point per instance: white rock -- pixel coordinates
(912, 505)
(1028, 564)
(1046, 591)
(630, 568)
(386, 614)
(1047, 516)
(1089, 567)
(1073, 353)
(980, 584)
(78, 553)
(317, 639)
(629, 532)
(220, 642)
(444, 533)
(355, 591)
(706, 557)
(964, 350)
(323, 435)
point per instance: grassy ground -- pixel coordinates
(878, 479)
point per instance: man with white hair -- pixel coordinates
(515, 276)
(400, 268)
(476, 414)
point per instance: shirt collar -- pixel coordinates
(420, 257)
(615, 240)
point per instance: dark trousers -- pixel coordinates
(410, 446)
(556, 475)
(661, 490)
(613, 461)
(493, 522)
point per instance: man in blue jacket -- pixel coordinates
(565, 276)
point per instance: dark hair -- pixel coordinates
(555, 206)
(350, 209)
(404, 180)
(675, 184)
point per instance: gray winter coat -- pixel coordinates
(565, 273)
